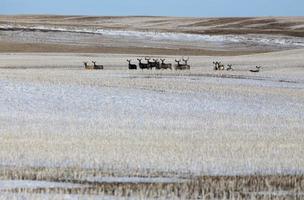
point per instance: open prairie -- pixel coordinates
(67, 132)
(150, 35)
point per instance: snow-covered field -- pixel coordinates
(53, 113)
(166, 121)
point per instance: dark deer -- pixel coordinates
(221, 66)
(179, 66)
(186, 63)
(164, 65)
(142, 65)
(150, 64)
(256, 70)
(97, 66)
(216, 65)
(229, 67)
(156, 64)
(131, 66)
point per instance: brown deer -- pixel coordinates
(179, 66)
(221, 66)
(97, 66)
(131, 66)
(150, 64)
(164, 65)
(186, 63)
(216, 65)
(142, 65)
(156, 63)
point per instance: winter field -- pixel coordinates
(60, 122)
(71, 133)
(150, 35)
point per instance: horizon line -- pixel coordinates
(168, 16)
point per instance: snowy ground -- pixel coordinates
(14, 184)
(201, 122)
(53, 113)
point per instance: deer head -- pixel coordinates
(129, 61)
(163, 60)
(185, 60)
(178, 61)
(139, 60)
(94, 62)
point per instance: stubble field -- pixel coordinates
(67, 132)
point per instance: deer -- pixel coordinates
(179, 66)
(156, 64)
(221, 66)
(229, 67)
(97, 66)
(142, 65)
(257, 69)
(164, 65)
(150, 64)
(186, 63)
(131, 66)
(216, 65)
(86, 66)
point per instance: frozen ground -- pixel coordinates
(73, 133)
(166, 35)
(31, 196)
(107, 38)
(27, 184)
(197, 122)
(148, 36)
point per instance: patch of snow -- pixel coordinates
(29, 184)
(171, 36)
(136, 180)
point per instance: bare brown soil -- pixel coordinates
(289, 26)
(258, 25)
(27, 47)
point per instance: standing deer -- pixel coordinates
(256, 70)
(97, 66)
(221, 66)
(142, 65)
(186, 63)
(216, 65)
(156, 63)
(164, 65)
(150, 64)
(131, 66)
(179, 66)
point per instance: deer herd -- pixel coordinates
(160, 64)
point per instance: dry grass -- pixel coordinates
(202, 187)
(24, 39)
(175, 24)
